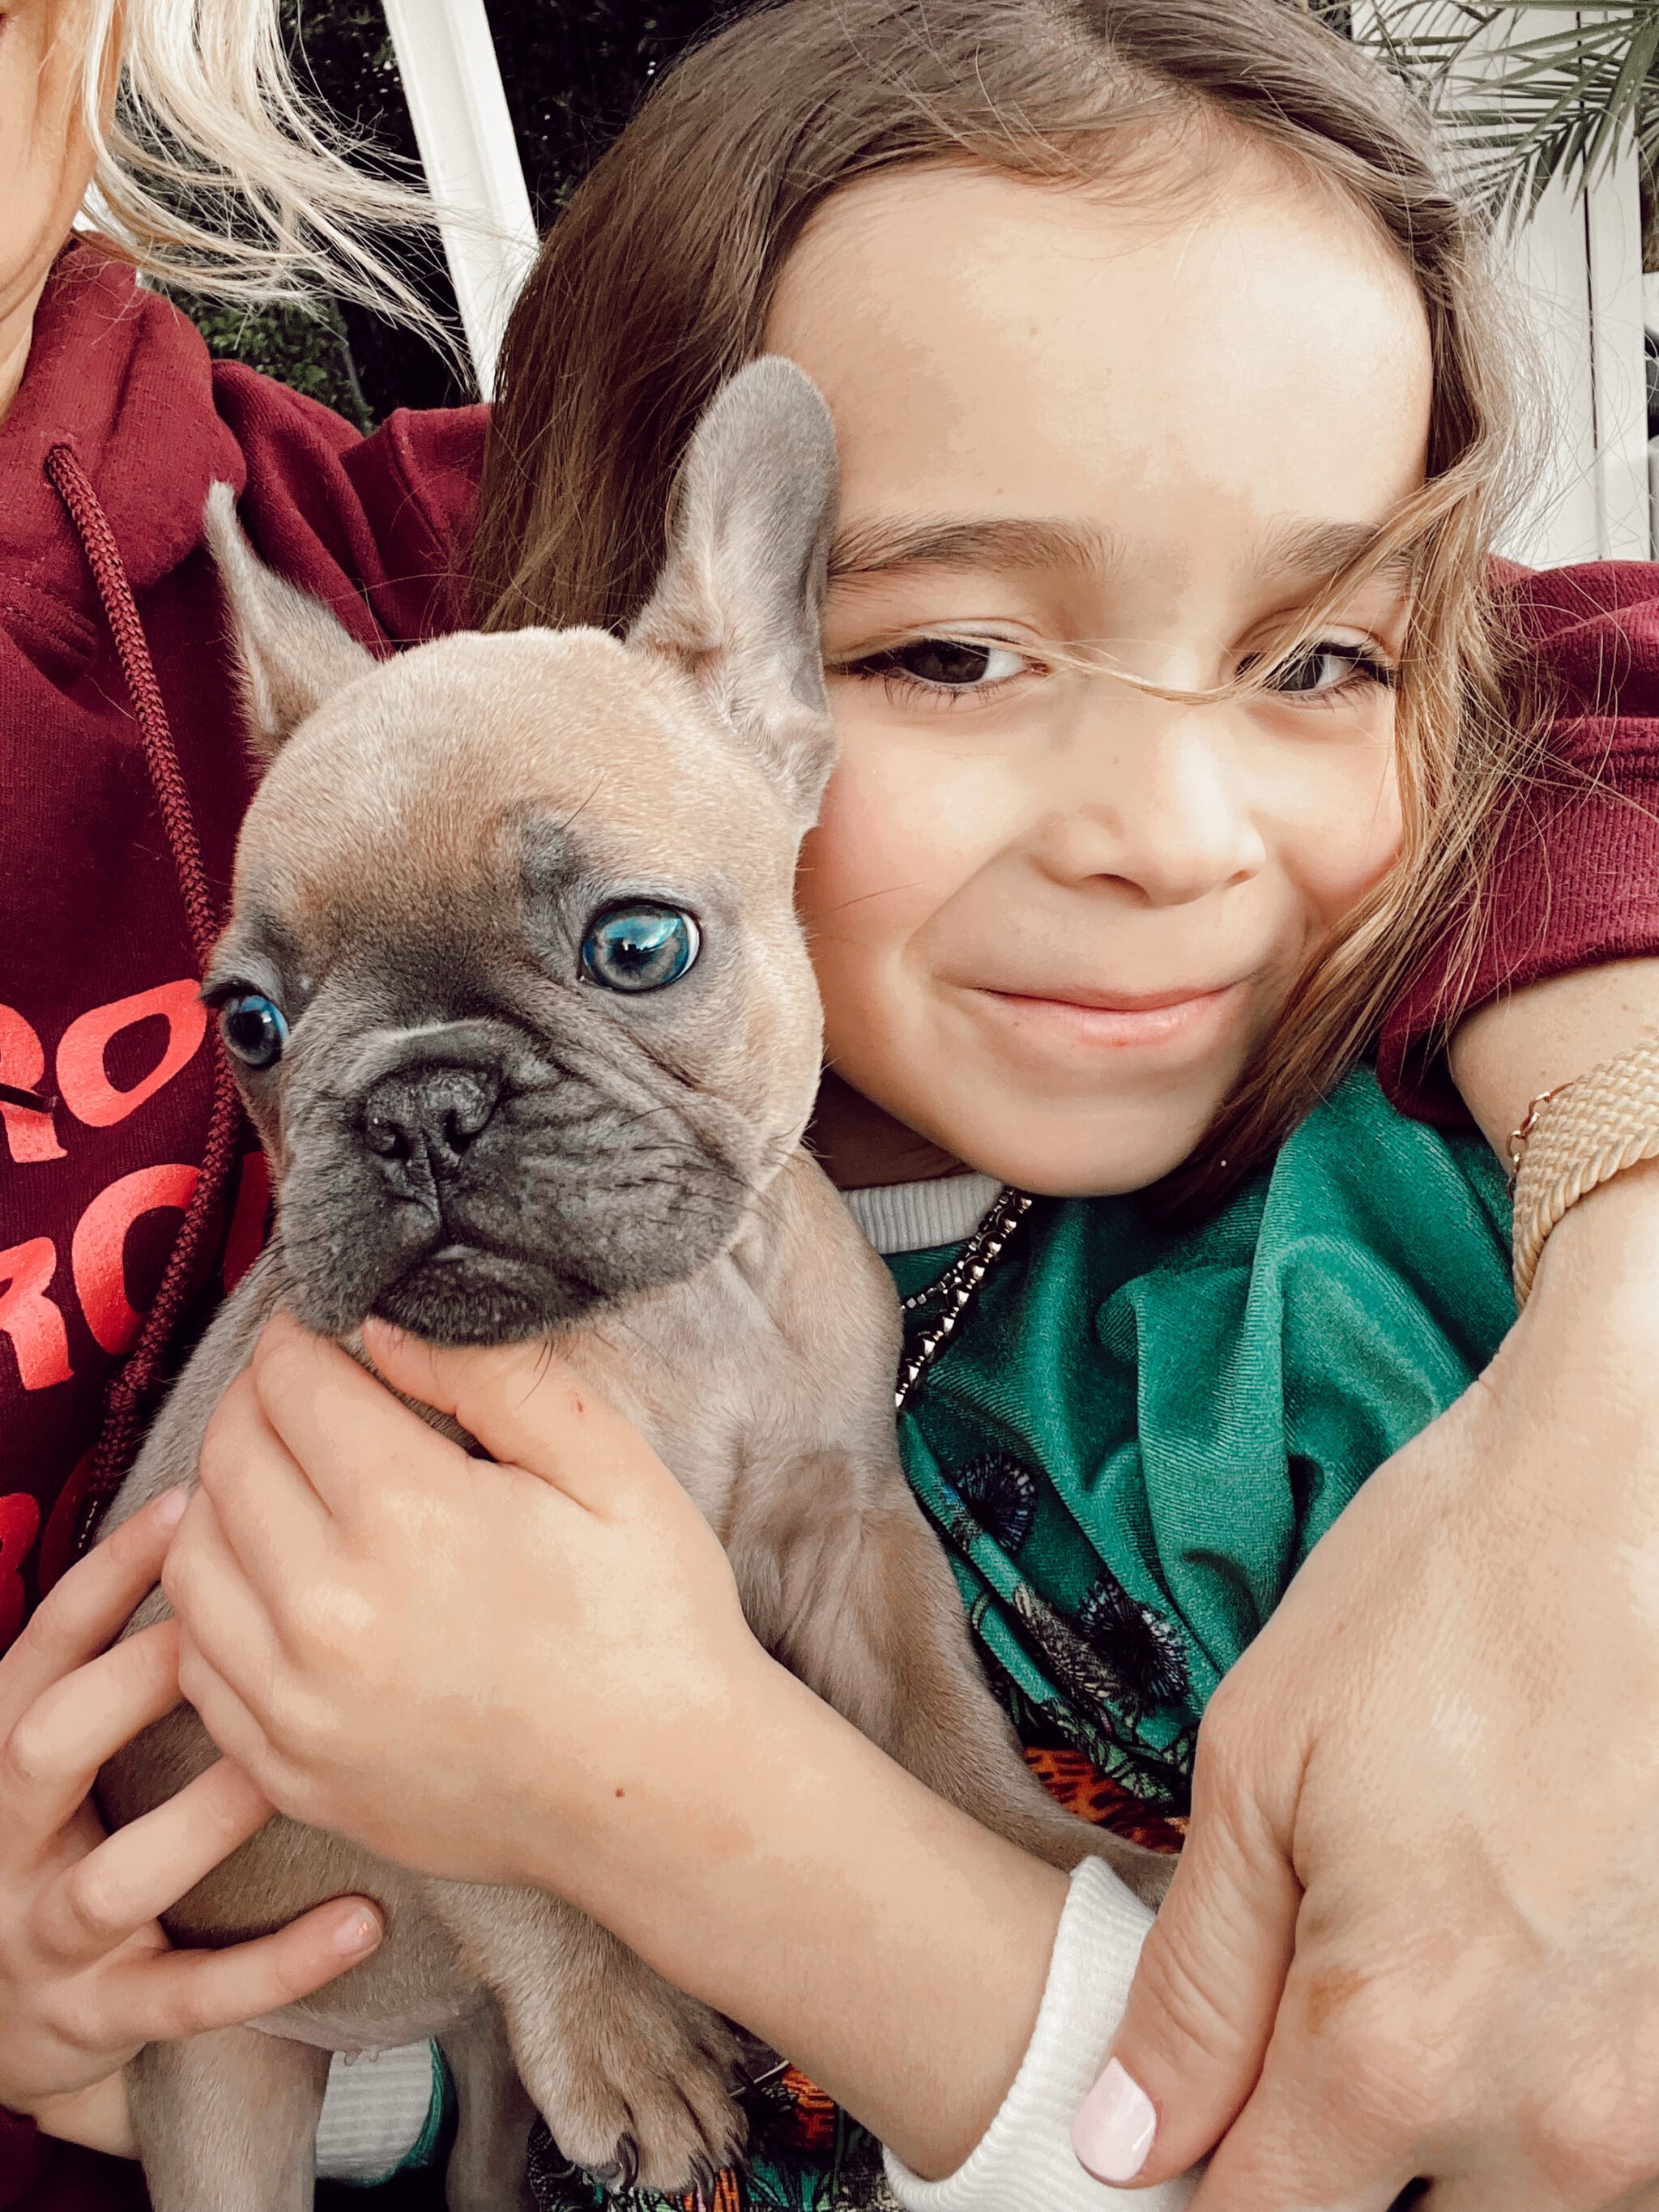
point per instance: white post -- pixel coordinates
(1618, 360)
(1578, 270)
(447, 59)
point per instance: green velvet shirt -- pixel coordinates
(1138, 1434)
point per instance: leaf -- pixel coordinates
(1526, 104)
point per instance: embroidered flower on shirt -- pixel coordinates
(1001, 1492)
(1143, 1649)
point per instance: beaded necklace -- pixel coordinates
(955, 1290)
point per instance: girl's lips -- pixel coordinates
(1159, 1018)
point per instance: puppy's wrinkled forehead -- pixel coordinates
(427, 789)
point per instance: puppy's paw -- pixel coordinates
(644, 2094)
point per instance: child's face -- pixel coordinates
(1052, 916)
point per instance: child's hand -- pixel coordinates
(86, 1976)
(471, 1666)
(536, 1670)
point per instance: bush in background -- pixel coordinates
(573, 70)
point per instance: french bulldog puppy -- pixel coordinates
(520, 1007)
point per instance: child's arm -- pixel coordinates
(596, 1718)
(86, 1976)
(1027, 2161)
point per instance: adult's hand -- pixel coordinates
(87, 1974)
(1415, 1930)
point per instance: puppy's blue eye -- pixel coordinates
(640, 946)
(254, 1030)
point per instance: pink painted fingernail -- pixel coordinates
(1113, 2132)
(169, 1507)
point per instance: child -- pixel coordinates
(1091, 1642)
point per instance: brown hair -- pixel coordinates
(655, 285)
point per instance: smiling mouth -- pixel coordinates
(1119, 1018)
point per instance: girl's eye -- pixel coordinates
(640, 946)
(254, 1030)
(942, 663)
(1328, 668)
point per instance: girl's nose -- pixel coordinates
(1163, 811)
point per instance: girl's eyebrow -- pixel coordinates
(1323, 548)
(878, 547)
(883, 546)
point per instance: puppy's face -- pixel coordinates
(513, 986)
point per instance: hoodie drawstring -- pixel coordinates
(136, 1380)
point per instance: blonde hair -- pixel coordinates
(215, 173)
(656, 282)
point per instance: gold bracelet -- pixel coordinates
(1573, 1139)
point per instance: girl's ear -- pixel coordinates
(292, 653)
(738, 601)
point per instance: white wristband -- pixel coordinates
(1024, 2161)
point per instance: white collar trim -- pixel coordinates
(919, 1216)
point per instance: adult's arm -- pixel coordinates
(1412, 1931)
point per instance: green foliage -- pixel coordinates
(353, 361)
(307, 352)
(1529, 101)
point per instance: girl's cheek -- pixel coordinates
(1339, 848)
(901, 827)
(850, 888)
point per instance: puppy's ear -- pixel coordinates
(738, 600)
(293, 653)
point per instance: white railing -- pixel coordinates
(447, 59)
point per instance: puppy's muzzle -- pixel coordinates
(419, 1123)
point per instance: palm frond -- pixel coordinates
(1527, 100)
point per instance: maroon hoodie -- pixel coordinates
(123, 778)
(98, 1017)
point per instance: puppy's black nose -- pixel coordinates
(428, 1117)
